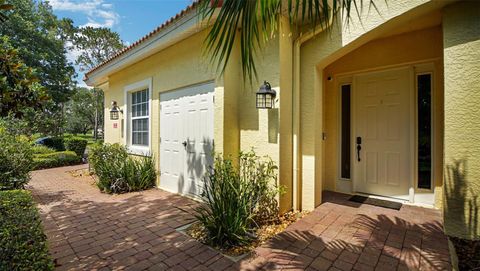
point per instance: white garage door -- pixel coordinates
(186, 138)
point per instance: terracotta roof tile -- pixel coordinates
(144, 38)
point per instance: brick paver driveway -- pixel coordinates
(88, 230)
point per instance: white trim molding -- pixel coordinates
(140, 85)
(181, 29)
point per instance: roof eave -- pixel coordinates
(176, 31)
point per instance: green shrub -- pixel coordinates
(23, 245)
(56, 159)
(57, 143)
(76, 144)
(238, 199)
(261, 172)
(118, 172)
(15, 161)
(41, 149)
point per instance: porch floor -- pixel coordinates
(88, 230)
(344, 235)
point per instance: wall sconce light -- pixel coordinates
(114, 112)
(266, 96)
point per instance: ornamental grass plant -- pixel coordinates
(237, 199)
(117, 172)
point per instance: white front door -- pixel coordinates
(382, 121)
(186, 138)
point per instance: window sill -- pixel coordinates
(139, 150)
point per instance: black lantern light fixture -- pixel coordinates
(114, 112)
(266, 96)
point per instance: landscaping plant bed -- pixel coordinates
(468, 253)
(84, 174)
(262, 234)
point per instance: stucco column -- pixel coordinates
(227, 134)
(461, 42)
(285, 114)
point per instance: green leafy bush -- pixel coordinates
(118, 172)
(238, 199)
(57, 143)
(23, 245)
(41, 149)
(261, 172)
(76, 144)
(15, 161)
(56, 159)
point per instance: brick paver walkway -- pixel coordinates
(88, 230)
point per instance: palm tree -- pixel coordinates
(258, 20)
(4, 6)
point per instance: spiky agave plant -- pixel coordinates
(258, 20)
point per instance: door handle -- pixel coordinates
(184, 143)
(359, 147)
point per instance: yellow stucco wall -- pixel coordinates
(260, 128)
(408, 49)
(238, 124)
(324, 49)
(180, 65)
(461, 41)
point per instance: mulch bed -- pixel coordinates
(263, 233)
(85, 175)
(468, 253)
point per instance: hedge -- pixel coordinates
(41, 149)
(56, 159)
(76, 144)
(23, 245)
(56, 143)
(15, 161)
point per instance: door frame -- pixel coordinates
(429, 66)
(415, 68)
(421, 69)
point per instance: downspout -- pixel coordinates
(297, 185)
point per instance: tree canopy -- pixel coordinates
(37, 33)
(4, 6)
(80, 110)
(36, 77)
(95, 45)
(19, 86)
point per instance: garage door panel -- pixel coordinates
(192, 125)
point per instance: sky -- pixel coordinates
(132, 19)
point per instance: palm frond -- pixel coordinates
(254, 21)
(250, 21)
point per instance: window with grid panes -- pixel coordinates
(140, 119)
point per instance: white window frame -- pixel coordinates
(128, 90)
